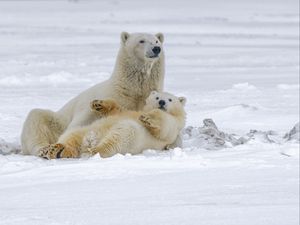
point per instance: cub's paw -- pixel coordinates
(56, 151)
(145, 119)
(97, 105)
(148, 120)
(105, 107)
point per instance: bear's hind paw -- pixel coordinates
(52, 151)
(56, 151)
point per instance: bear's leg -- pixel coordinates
(67, 146)
(108, 147)
(118, 140)
(41, 128)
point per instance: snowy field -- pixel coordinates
(237, 62)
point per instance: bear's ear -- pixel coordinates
(124, 36)
(182, 100)
(160, 37)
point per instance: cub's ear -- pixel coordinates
(182, 100)
(124, 36)
(160, 37)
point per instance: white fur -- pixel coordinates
(135, 75)
(124, 133)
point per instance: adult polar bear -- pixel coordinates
(139, 69)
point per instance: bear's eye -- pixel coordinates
(156, 42)
(142, 41)
(170, 100)
(157, 98)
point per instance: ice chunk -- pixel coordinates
(210, 137)
(293, 134)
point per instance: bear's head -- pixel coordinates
(166, 102)
(142, 46)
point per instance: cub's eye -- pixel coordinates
(170, 100)
(157, 98)
(156, 42)
(142, 41)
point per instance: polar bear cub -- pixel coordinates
(123, 131)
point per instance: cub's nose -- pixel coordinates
(161, 102)
(156, 50)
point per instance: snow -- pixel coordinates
(237, 62)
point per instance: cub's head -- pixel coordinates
(143, 46)
(166, 102)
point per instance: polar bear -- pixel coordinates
(123, 131)
(139, 69)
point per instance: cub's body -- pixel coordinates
(123, 131)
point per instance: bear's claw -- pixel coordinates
(53, 151)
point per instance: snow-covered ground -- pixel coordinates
(237, 62)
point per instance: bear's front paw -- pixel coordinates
(148, 120)
(144, 119)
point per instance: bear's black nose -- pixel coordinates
(162, 102)
(156, 50)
